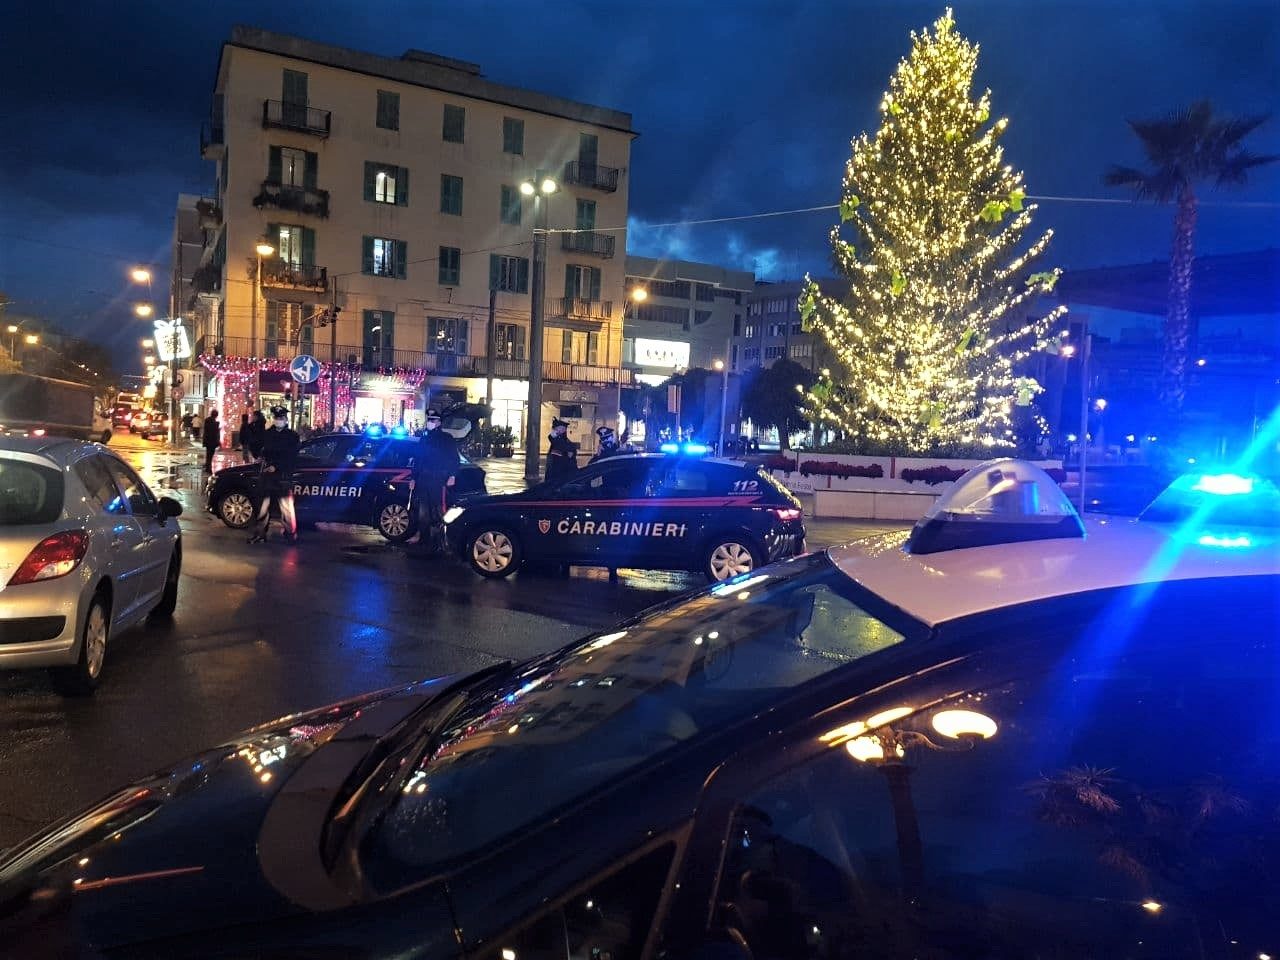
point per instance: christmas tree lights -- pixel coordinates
(927, 349)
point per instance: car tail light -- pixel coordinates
(788, 514)
(54, 556)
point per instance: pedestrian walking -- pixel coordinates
(211, 434)
(275, 482)
(237, 441)
(434, 469)
(254, 434)
(562, 457)
(197, 425)
(186, 424)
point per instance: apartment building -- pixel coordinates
(771, 327)
(387, 192)
(687, 318)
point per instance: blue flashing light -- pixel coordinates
(689, 447)
(373, 430)
(399, 430)
(1223, 484)
(697, 449)
(670, 448)
(1235, 542)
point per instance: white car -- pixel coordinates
(86, 549)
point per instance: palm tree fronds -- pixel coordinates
(1234, 170)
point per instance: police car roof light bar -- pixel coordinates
(1219, 505)
(1000, 501)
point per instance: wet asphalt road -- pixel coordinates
(265, 630)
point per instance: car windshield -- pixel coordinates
(29, 493)
(566, 724)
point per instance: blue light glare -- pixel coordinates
(399, 431)
(1224, 484)
(696, 448)
(670, 448)
(373, 430)
(1236, 542)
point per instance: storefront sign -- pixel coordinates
(661, 353)
(381, 384)
(171, 340)
(279, 381)
(579, 396)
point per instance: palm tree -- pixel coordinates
(1188, 147)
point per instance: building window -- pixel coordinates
(455, 124)
(749, 330)
(450, 266)
(581, 283)
(447, 335)
(294, 88)
(512, 135)
(379, 338)
(801, 350)
(384, 257)
(388, 110)
(295, 246)
(566, 346)
(384, 183)
(705, 292)
(511, 205)
(450, 194)
(508, 341)
(293, 167)
(755, 309)
(797, 328)
(777, 329)
(737, 324)
(773, 353)
(750, 354)
(593, 347)
(733, 353)
(586, 215)
(779, 305)
(671, 289)
(510, 274)
(701, 316)
(661, 313)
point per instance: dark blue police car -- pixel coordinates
(341, 478)
(652, 511)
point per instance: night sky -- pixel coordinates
(742, 107)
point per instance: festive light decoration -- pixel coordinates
(927, 347)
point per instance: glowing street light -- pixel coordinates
(31, 339)
(143, 309)
(140, 275)
(639, 294)
(264, 249)
(148, 343)
(1067, 350)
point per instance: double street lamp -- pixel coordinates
(540, 188)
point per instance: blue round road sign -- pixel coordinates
(304, 368)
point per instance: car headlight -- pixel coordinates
(452, 514)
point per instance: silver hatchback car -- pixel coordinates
(86, 549)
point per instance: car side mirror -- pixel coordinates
(170, 507)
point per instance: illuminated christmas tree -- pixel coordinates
(926, 349)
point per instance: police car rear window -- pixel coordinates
(569, 723)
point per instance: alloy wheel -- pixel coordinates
(730, 559)
(492, 551)
(95, 641)
(393, 521)
(236, 510)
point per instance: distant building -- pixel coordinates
(389, 188)
(688, 318)
(771, 327)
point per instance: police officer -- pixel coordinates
(562, 457)
(279, 454)
(434, 467)
(609, 445)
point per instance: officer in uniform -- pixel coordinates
(434, 467)
(609, 445)
(279, 454)
(562, 458)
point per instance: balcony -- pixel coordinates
(209, 212)
(593, 175)
(298, 199)
(575, 308)
(213, 140)
(207, 278)
(283, 275)
(589, 242)
(295, 116)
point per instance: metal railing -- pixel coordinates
(296, 116)
(594, 175)
(588, 241)
(282, 273)
(211, 135)
(289, 197)
(579, 309)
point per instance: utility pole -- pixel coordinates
(1086, 347)
(489, 352)
(533, 419)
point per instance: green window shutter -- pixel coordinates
(273, 164)
(566, 346)
(402, 186)
(570, 272)
(273, 319)
(388, 331)
(463, 347)
(370, 172)
(308, 247)
(366, 255)
(595, 284)
(493, 271)
(310, 172)
(402, 257)
(522, 275)
(294, 87)
(586, 215)
(273, 235)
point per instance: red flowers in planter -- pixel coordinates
(834, 468)
(931, 475)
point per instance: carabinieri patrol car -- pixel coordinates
(342, 478)
(651, 511)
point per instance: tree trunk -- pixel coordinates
(1177, 327)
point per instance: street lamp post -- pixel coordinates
(723, 367)
(262, 249)
(540, 188)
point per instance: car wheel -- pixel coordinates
(235, 509)
(395, 522)
(493, 552)
(105, 438)
(169, 599)
(81, 678)
(728, 556)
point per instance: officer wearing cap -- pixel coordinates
(609, 445)
(434, 467)
(562, 458)
(279, 455)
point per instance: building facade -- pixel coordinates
(688, 317)
(771, 328)
(385, 196)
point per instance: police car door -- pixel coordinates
(320, 472)
(587, 523)
(676, 511)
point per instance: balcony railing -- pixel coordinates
(209, 212)
(289, 197)
(438, 364)
(588, 241)
(213, 141)
(296, 116)
(578, 309)
(281, 273)
(207, 278)
(594, 175)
